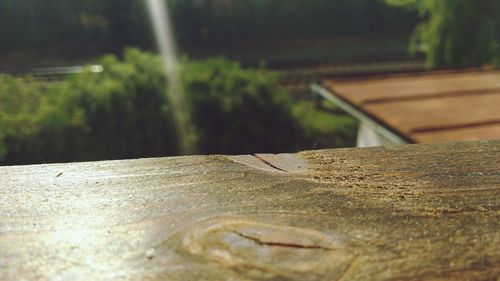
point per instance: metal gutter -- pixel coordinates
(358, 114)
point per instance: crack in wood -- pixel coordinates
(281, 244)
(268, 163)
(344, 272)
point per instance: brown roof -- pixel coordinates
(429, 107)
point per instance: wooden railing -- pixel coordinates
(390, 213)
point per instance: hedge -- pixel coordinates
(124, 112)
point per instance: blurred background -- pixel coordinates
(83, 80)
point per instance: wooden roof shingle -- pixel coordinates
(429, 107)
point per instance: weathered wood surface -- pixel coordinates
(429, 107)
(400, 213)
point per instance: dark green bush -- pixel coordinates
(30, 110)
(124, 112)
(119, 113)
(239, 111)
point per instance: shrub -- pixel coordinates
(127, 114)
(124, 112)
(29, 110)
(120, 113)
(239, 111)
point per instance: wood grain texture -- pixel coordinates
(397, 213)
(429, 107)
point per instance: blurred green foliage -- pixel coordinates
(322, 129)
(239, 111)
(120, 113)
(452, 32)
(231, 22)
(457, 32)
(54, 31)
(81, 24)
(124, 112)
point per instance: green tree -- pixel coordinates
(457, 32)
